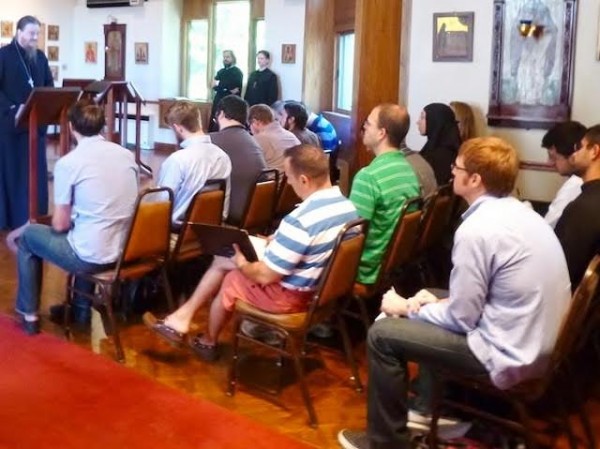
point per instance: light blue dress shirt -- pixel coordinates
(509, 289)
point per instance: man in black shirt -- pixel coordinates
(227, 81)
(263, 86)
(578, 229)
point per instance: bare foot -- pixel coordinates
(13, 237)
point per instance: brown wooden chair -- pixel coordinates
(261, 203)
(399, 252)
(335, 283)
(287, 200)
(206, 207)
(556, 385)
(145, 250)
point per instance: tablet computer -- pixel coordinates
(219, 240)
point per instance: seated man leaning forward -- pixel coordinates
(283, 281)
(187, 170)
(509, 291)
(95, 188)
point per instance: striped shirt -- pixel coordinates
(304, 241)
(379, 192)
(324, 130)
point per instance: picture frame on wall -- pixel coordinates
(53, 32)
(453, 36)
(288, 53)
(90, 51)
(53, 53)
(7, 29)
(532, 63)
(141, 52)
(114, 44)
(54, 69)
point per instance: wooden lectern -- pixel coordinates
(45, 106)
(116, 95)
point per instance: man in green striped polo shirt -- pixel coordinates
(380, 189)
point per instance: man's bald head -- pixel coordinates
(395, 120)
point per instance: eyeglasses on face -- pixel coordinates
(453, 166)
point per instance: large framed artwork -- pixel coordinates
(114, 44)
(532, 63)
(453, 37)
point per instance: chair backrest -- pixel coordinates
(338, 276)
(261, 202)
(404, 239)
(436, 217)
(574, 325)
(286, 200)
(149, 232)
(206, 207)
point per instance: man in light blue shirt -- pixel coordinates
(95, 189)
(509, 291)
(199, 160)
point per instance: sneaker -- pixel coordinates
(448, 427)
(351, 439)
(261, 333)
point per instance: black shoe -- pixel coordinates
(79, 315)
(30, 327)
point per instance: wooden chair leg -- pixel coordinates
(108, 298)
(232, 376)
(349, 353)
(167, 288)
(312, 416)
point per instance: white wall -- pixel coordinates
(444, 81)
(55, 12)
(284, 24)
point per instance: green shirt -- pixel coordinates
(378, 193)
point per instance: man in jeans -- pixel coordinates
(509, 291)
(95, 188)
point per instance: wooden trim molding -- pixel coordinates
(537, 166)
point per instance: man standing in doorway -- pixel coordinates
(263, 86)
(228, 81)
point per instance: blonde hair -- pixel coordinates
(465, 119)
(494, 160)
(186, 114)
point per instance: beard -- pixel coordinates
(31, 53)
(226, 65)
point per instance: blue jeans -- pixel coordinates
(391, 343)
(39, 243)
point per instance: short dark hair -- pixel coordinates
(298, 112)
(87, 118)
(27, 20)
(234, 108)
(186, 114)
(592, 135)
(265, 53)
(395, 120)
(262, 113)
(563, 137)
(309, 161)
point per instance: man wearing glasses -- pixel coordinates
(509, 282)
(578, 229)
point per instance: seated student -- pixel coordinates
(186, 171)
(380, 189)
(438, 124)
(578, 228)
(283, 281)
(323, 128)
(293, 116)
(95, 189)
(247, 160)
(560, 141)
(509, 291)
(422, 169)
(465, 119)
(269, 134)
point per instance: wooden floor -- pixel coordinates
(336, 402)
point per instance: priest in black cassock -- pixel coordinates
(227, 81)
(263, 86)
(22, 67)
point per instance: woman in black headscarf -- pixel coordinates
(438, 123)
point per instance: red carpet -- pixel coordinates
(54, 394)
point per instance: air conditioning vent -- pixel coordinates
(113, 3)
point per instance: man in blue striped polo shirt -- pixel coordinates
(283, 281)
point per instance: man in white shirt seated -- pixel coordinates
(560, 141)
(270, 135)
(509, 291)
(95, 189)
(197, 161)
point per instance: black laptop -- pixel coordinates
(219, 240)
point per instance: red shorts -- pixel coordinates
(272, 298)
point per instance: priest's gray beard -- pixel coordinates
(31, 54)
